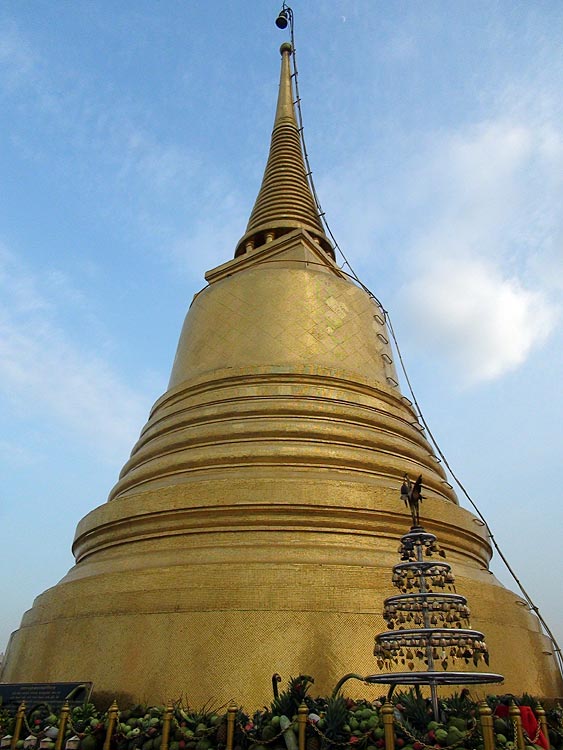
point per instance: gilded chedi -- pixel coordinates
(255, 525)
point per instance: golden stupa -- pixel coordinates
(255, 525)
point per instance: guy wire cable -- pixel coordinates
(295, 75)
(287, 14)
(526, 596)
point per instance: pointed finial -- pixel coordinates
(285, 201)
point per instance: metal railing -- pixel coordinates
(484, 726)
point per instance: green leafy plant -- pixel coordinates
(414, 710)
(335, 727)
(288, 701)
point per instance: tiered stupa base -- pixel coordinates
(202, 623)
(255, 525)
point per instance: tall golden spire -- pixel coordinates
(285, 201)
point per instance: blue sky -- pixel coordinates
(132, 145)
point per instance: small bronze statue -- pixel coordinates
(412, 497)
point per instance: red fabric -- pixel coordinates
(529, 723)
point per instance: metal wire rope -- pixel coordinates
(295, 75)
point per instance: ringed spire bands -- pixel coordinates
(285, 201)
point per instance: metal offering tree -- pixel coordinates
(428, 621)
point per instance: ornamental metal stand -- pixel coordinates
(428, 621)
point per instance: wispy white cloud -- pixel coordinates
(160, 165)
(105, 134)
(401, 46)
(214, 231)
(484, 323)
(187, 209)
(44, 373)
(17, 59)
(16, 455)
(488, 202)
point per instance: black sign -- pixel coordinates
(52, 693)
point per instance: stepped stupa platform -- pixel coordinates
(255, 524)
